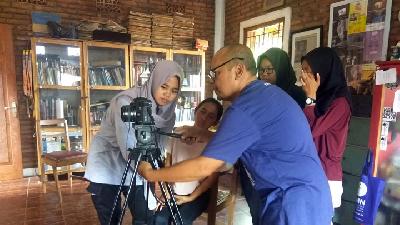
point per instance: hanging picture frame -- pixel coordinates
(302, 42)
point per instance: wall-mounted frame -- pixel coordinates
(270, 4)
(302, 42)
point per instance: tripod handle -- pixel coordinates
(174, 135)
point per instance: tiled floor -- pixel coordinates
(23, 203)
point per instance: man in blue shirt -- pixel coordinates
(268, 131)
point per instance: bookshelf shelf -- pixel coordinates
(60, 87)
(115, 88)
(193, 84)
(54, 130)
(95, 128)
(107, 73)
(192, 89)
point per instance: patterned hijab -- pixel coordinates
(164, 116)
(326, 62)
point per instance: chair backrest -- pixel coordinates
(58, 127)
(221, 199)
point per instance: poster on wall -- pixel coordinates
(358, 34)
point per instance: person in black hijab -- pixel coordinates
(274, 67)
(328, 70)
(328, 111)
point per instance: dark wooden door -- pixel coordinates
(10, 144)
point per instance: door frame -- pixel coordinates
(12, 168)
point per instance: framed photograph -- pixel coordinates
(270, 4)
(304, 41)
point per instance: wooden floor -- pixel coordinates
(23, 203)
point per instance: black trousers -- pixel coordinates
(189, 211)
(103, 199)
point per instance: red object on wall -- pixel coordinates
(387, 160)
(382, 97)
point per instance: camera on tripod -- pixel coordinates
(138, 112)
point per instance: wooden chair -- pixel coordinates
(221, 199)
(58, 158)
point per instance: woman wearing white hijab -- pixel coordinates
(108, 151)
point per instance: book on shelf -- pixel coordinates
(56, 108)
(54, 71)
(107, 76)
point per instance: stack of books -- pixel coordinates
(161, 33)
(182, 32)
(139, 26)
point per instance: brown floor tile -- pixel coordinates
(23, 203)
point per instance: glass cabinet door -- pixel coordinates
(108, 74)
(58, 86)
(192, 91)
(143, 62)
(107, 66)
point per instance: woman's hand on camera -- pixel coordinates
(309, 83)
(144, 170)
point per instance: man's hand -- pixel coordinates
(144, 170)
(192, 134)
(181, 199)
(309, 84)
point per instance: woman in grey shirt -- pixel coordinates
(108, 151)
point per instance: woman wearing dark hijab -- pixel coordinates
(328, 111)
(274, 67)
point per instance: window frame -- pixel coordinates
(285, 14)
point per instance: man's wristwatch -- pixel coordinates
(310, 101)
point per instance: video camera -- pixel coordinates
(138, 112)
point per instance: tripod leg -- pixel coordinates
(128, 164)
(171, 203)
(130, 187)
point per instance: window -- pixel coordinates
(264, 36)
(266, 31)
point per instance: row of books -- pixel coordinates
(53, 71)
(56, 108)
(107, 76)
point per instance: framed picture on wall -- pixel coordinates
(270, 4)
(304, 41)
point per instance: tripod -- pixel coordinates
(153, 156)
